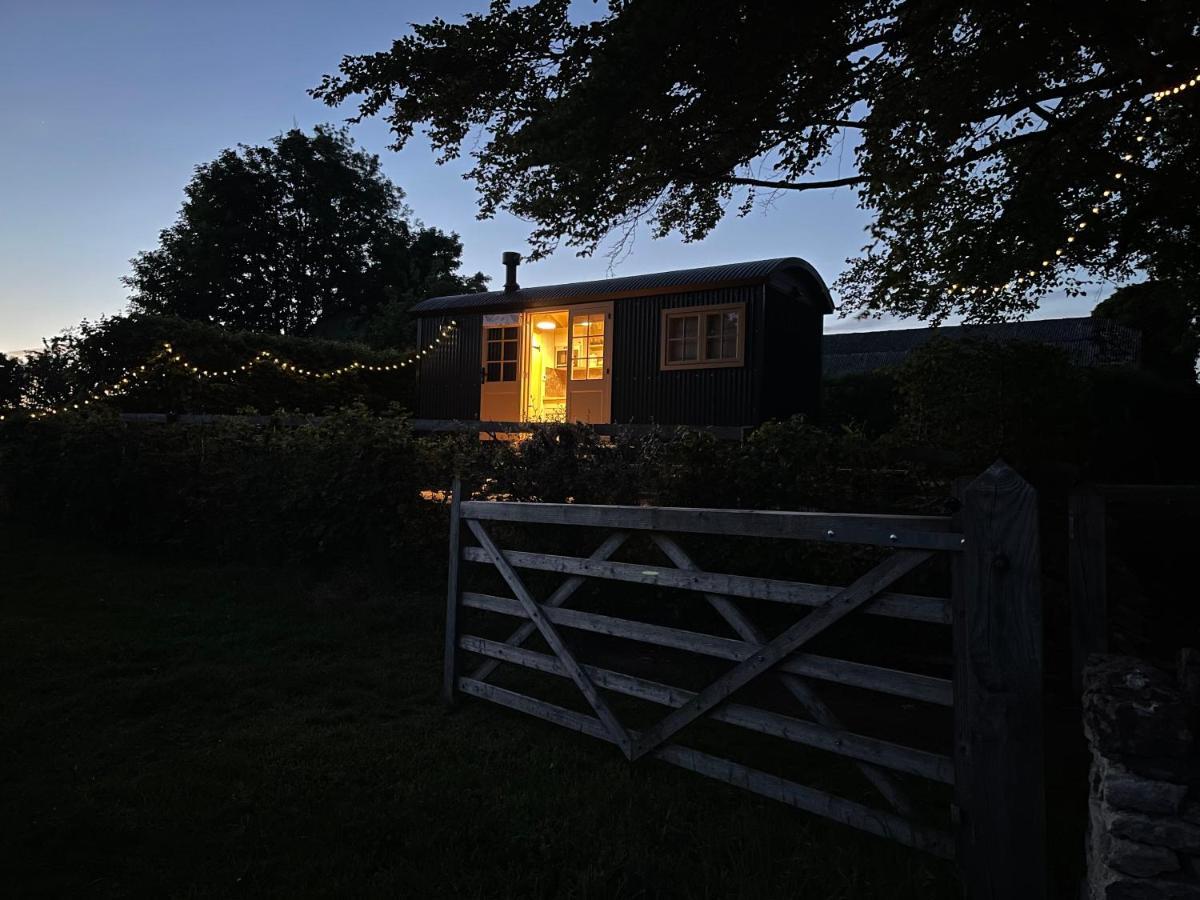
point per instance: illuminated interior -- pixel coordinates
(546, 394)
(587, 348)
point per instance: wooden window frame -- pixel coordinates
(502, 361)
(699, 312)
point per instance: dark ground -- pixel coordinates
(174, 729)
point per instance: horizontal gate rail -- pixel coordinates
(857, 815)
(933, 766)
(913, 532)
(797, 593)
(801, 690)
(993, 620)
(912, 686)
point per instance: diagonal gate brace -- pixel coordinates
(619, 735)
(797, 687)
(560, 596)
(827, 614)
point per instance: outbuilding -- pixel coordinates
(730, 345)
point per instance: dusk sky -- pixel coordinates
(108, 107)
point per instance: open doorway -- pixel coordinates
(548, 354)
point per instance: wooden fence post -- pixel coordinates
(1087, 561)
(998, 743)
(453, 595)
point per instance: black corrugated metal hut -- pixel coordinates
(722, 345)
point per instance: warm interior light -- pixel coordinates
(546, 325)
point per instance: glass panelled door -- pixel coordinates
(589, 383)
(500, 369)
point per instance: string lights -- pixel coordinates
(1091, 216)
(172, 358)
(138, 375)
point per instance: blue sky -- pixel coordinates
(108, 107)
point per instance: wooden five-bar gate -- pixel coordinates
(995, 763)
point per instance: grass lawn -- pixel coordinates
(178, 729)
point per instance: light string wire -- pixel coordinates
(140, 374)
(132, 376)
(1107, 196)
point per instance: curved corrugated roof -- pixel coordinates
(784, 270)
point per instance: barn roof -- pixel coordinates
(1086, 341)
(786, 272)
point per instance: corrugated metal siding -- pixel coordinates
(448, 379)
(643, 394)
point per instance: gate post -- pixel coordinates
(1086, 557)
(453, 596)
(998, 742)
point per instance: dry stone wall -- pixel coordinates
(1144, 806)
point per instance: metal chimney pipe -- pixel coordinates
(511, 260)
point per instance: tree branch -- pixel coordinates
(1099, 83)
(797, 185)
(962, 159)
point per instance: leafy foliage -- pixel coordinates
(978, 400)
(304, 236)
(983, 133)
(984, 399)
(349, 487)
(345, 486)
(12, 381)
(1167, 313)
(862, 400)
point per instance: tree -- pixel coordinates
(985, 135)
(11, 381)
(1165, 312)
(304, 236)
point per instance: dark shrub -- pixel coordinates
(868, 401)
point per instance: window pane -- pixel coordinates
(681, 351)
(729, 345)
(493, 371)
(683, 344)
(510, 349)
(510, 371)
(578, 357)
(721, 335)
(493, 350)
(598, 324)
(510, 334)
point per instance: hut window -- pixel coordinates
(703, 337)
(587, 347)
(502, 353)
